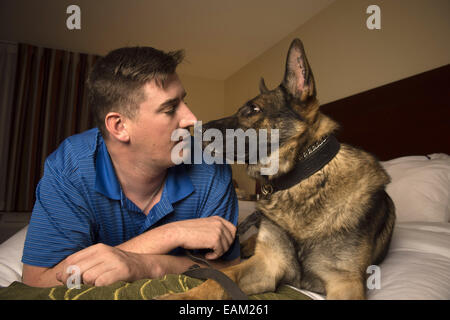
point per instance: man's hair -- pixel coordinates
(116, 80)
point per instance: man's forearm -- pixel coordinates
(40, 276)
(214, 233)
(160, 240)
(168, 264)
(145, 255)
(149, 266)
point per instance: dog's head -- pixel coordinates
(292, 108)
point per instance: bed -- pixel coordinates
(405, 124)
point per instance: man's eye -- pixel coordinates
(171, 111)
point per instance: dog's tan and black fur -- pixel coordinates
(322, 233)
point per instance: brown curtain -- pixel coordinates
(48, 105)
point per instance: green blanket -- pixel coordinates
(139, 290)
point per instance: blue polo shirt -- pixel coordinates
(79, 202)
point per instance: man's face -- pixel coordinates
(162, 112)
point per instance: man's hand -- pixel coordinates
(213, 233)
(101, 265)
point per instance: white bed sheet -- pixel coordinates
(10, 258)
(418, 263)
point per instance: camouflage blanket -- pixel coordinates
(139, 290)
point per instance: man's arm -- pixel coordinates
(213, 233)
(129, 267)
(143, 256)
(34, 276)
(96, 269)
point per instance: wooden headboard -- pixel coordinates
(406, 117)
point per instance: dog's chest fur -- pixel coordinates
(315, 208)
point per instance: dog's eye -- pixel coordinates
(249, 110)
(256, 108)
(252, 109)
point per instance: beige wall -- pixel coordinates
(205, 97)
(347, 58)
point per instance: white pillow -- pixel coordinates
(10, 258)
(417, 265)
(420, 187)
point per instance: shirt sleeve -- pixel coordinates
(222, 201)
(60, 224)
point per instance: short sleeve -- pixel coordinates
(60, 224)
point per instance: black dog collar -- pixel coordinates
(309, 162)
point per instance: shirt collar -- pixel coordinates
(177, 187)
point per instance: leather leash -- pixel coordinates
(195, 271)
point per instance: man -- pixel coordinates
(111, 202)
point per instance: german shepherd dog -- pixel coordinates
(321, 229)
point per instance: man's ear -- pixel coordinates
(298, 77)
(116, 125)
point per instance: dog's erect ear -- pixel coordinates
(298, 77)
(262, 86)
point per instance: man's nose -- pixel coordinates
(187, 119)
